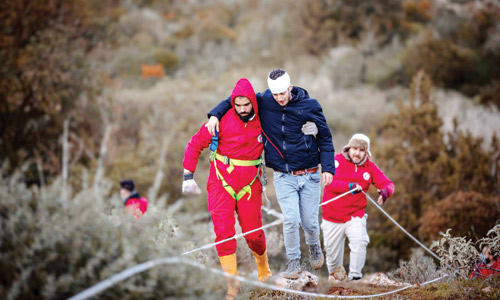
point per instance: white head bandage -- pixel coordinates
(280, 84)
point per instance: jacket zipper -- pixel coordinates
(283, 134)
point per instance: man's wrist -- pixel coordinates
(188, 174)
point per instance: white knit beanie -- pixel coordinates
(360, 140)
(280, 84)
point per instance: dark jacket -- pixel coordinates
(286, 147)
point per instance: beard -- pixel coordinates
(247, 117)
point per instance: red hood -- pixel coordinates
(244, 88)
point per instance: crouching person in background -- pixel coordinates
(345, 217)
(134, 203)
(489, 264)
(233, 185)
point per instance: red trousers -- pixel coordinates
(222, 208)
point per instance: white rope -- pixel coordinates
(107, 283)
(170, 260)
(401, 227)
(272, 212)
(101, 286)
(277, 222)
(333, 199)
(267, 210)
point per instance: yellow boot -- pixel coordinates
(264, 272)
(228, 264)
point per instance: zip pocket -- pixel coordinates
(308, 147)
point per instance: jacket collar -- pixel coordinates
(134, 195)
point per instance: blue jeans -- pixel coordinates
(299, 198)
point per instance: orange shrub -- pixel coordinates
(148, 71)
(468, 214)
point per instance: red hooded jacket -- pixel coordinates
(136, 205)
(342, 209)
(483, 271)
(237, 140)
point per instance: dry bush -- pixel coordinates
(320, 25)
(408, 149)
(447, 63)
(420, 11)
(427, 167)
(46, 77)
(418, 269)
(492, 239)
(53, 248)
(491, 94)
(168, 59)
(458, 255)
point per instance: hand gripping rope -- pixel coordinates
(106, 283)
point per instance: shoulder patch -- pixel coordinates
(336, 164)
(366, 176)
(259, 138)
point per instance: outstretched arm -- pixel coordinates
(194, 147)
(385, 187)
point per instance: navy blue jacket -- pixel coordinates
(286, 147)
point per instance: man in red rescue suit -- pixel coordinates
(233, 185)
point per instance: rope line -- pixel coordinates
(333, 199)
(277, 222)
(401, 227)
(267, 210)
(106, 283)
(101, 286)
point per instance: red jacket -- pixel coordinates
(136, 205)
(237, 140)
(342, 209)
(483, 271)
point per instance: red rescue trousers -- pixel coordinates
(222, 207)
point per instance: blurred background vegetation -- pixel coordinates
(134, 80)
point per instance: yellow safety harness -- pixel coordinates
(235, 162)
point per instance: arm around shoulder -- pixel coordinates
(220, 110)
